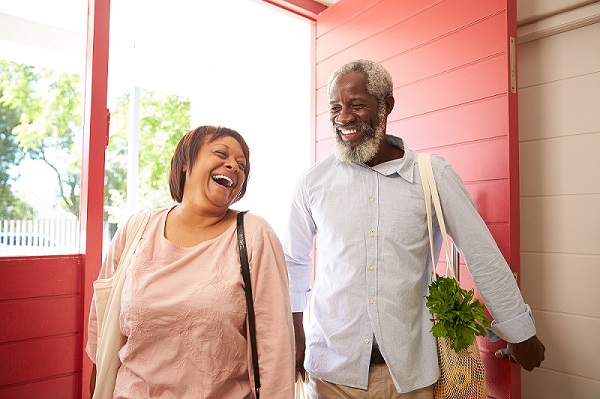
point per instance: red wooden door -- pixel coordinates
(451, 65)
(44, 300)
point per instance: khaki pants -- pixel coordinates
(381, 386)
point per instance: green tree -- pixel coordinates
(49, 129)
(164, 119)
(11, 207)
(50, 121)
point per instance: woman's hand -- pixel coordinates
(93, 381)
(300, 345)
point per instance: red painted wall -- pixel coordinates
(40, 327)
(450, 64)
(44, 301)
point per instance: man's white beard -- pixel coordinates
(366, 150)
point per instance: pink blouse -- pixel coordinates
(183, 312)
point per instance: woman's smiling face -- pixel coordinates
(218, 174)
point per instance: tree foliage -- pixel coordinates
(50, 121)
(11, 207)
(47, 112)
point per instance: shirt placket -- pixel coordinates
(372, 226)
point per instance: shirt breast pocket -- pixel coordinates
(406, 221)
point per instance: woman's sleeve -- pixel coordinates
(109, 266)
(274, 328)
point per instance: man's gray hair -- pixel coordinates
(379, 80)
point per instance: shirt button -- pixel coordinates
(372, 233)
(370, 169)
(371, 267)
(372, 199)
(371, 301)
(367, 340)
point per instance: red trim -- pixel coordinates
(94, 145)
(305, 8)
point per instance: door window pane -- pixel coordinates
(42, 62)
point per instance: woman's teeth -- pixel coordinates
(219, 179)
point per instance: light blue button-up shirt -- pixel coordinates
(374, 267)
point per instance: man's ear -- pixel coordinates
(389, 104)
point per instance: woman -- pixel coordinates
(183, 308)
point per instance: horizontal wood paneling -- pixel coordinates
(336, 15)
(433, 23)
(565, 224)
(562, 166)
(481, 80)
(40, 325)
(375, 19)
(473, 82)
(564, 283)
(41, 317)
(571, 343)
(55, 388)
(439, 128)
(491, 199)
(554, 384)
(560, 108)
(557, 57)
(39, 359)
(489, 156)
(38, 277)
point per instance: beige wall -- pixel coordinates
(559, 127)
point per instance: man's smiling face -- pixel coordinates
(357, 119)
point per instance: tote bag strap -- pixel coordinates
(110, 339)
(431, 195)
(249, 302)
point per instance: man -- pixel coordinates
(369, 330)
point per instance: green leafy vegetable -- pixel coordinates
(456, 314)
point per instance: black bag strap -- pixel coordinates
(249, 302)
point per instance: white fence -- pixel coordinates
(38, 237)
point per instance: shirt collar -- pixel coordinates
(405, 166)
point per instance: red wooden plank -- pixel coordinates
(337, 14)
(34, 318)
(491, 199)
(434, 23)
(489, 156)
(62, 387)
(371, 20)
(497, 375)
(38, 277)
(481, 80)
(324, 148)
(323, 126)
(486, 38)
(439, 128)
(477, 81)
(454, 125)
(39, 359)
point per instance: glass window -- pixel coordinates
(42, 61)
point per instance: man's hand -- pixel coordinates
(529, 354)
(300, 344)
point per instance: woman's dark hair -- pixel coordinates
(187, 151)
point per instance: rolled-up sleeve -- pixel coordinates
(491, 274)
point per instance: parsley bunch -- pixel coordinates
(456, 314)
